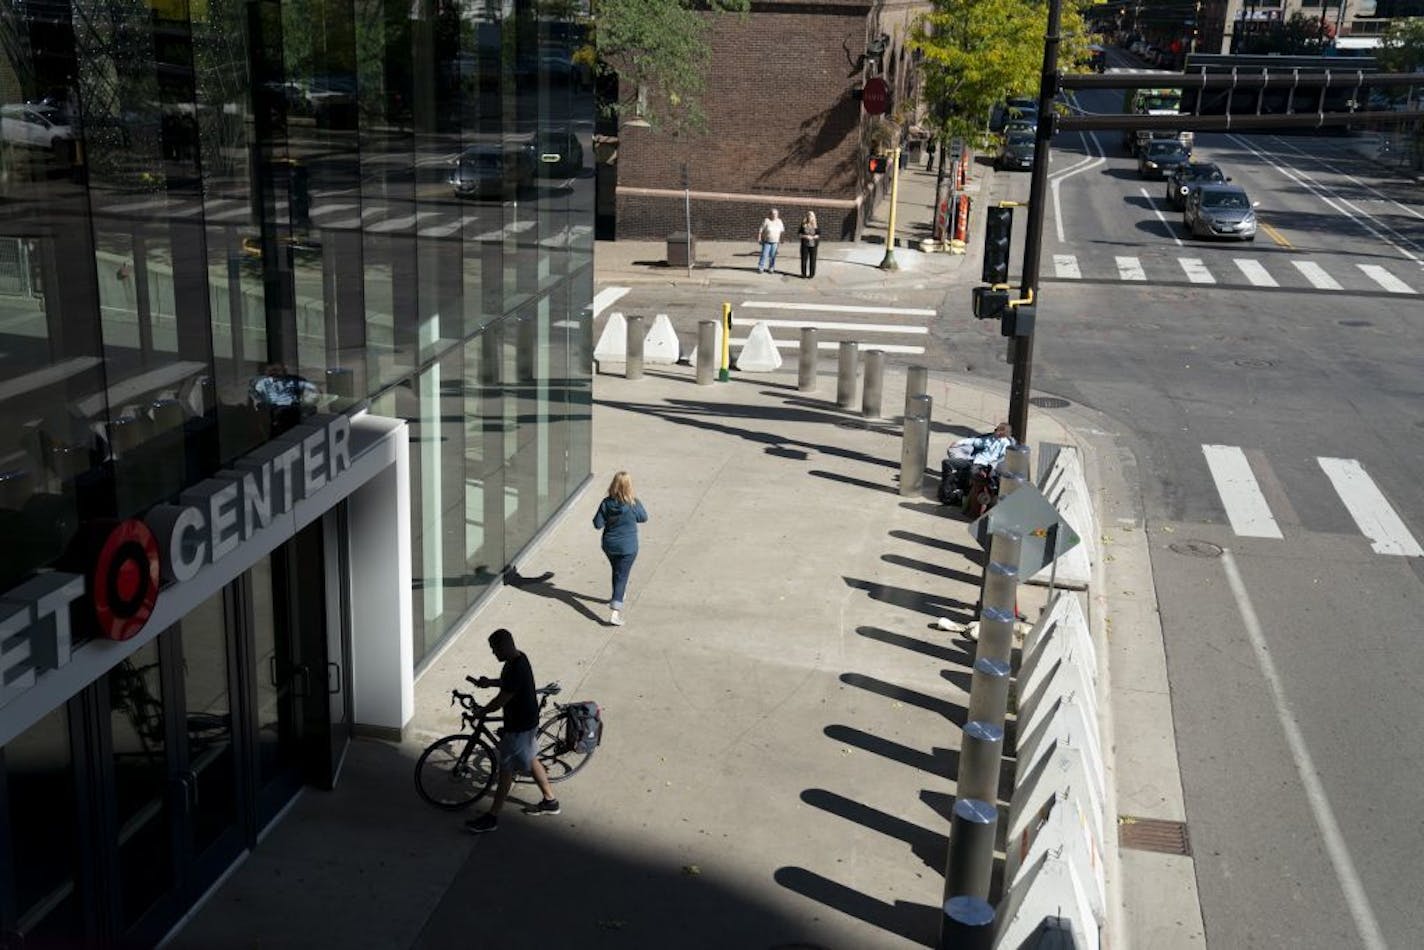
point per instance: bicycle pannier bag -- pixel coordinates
(585, 729)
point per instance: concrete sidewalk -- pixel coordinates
(841, 264)
(782, 712)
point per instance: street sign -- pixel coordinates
(875, 96)
(1045, 534)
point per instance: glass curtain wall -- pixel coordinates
(219, 217)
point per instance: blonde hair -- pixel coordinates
(810, 218)
(621, 488)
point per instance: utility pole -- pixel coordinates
(1033, 236)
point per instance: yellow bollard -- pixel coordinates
(725, 373)
(888, 261)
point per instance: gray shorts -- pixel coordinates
(516, 750)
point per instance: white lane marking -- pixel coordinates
(1196, 270)
(1066, 265)
(445, 230)
(1385, 279)
(1130, 268)
(1241, 496)
(1255, 272)
(1086, 164)
(833, 345)
(1359, 903)
(607, 297)
(1376, 518)
(1314, 273)
(1340, 205)
(1152, 203)
(401, 223)
(867, 327)
(1348, 177)
(831, 308)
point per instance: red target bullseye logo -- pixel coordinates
(125, 581)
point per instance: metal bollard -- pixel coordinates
(980, 756)
(996, 634)
(971, 849)
(1010, 482)
(810, 353)
(923, 405)
(989, 691)
(845, 380)
(967, 924)
(633, 368)
(1001, 585)
(1015, 460)
(872, 398)
(912, 456)
(917, 380)
(706, 352)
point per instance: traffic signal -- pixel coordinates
(989, 303)
(998, 226)
(877, 164)
(1018, 321)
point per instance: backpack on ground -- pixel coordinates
(585, 727)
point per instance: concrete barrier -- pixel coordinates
(1066, 488)
(661, 344)
(1063, 832)
(612, 345)
(759, 354)
(1063, 680)
(1068, 723)
(1049, 895)
(1061, 630)
(1061, 770)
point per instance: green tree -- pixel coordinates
(977, 52)
(1401, 48)
(659, 51)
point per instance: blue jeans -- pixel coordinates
(768, 256)
(622, 565)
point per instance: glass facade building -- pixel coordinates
(224, 224)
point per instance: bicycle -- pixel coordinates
(458, 770)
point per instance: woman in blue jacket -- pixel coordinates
(618, 518)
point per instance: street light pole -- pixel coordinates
(1033, 236)
(888, 261)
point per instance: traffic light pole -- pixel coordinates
(1033, 235)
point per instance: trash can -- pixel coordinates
(681, 249)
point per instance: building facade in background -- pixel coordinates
(294, 360)
(785, 124)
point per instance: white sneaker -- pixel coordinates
(617, 618)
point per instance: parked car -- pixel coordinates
(1160, 157)
(1187, 176)
(1220, 210)
(487, 169)
(1016, 152)
(38, 126)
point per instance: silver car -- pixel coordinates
(1220, 210)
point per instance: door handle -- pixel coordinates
(331, 668)
(301, 680)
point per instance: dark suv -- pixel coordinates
(1160, 157)
(1187, 176)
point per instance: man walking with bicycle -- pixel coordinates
(517, 739)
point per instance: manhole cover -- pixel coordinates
(1255, 364)
(1153, 834)
(1355, 323)
(1196, 548)
(1049, 402)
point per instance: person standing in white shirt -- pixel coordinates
(770, 238)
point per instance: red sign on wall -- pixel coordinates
(875, 96)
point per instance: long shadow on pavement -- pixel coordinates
(918, 922)
(928, 846)
(932, 605)
(939, 762)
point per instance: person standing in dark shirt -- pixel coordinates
(517, 749)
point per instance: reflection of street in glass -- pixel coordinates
(283, 395)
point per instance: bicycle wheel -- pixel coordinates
(559, 759)
(455, 771)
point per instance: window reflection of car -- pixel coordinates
(1189, 175)
(560, 153)
(1016, 152)
(486, 169)
(37, 126)
(1220, 210)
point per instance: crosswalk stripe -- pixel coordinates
(902, 348)
(1314, 273)
(1375, 517)
(866, 327)
(1196, 270)
(1385, 279)
(836, 308)
(444, 230)
(607, 297)
(401, 223)
(1130, 268)
(1246, 507)
(1255, 272)
(1066, 266)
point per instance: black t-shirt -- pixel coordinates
(521, 713)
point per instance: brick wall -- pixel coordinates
(782, 126)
